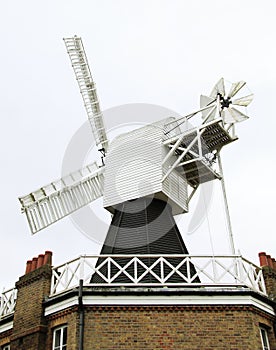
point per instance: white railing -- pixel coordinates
(158, 271)
(149, 270)
(7, 302)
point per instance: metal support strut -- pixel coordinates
(227, 212)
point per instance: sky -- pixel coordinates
(164, 53)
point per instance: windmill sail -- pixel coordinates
(61, 198)
(243, 101)
(87, 87)
(219, 88)
(223, 103)
(235, 88)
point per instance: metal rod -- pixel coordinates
(190, 115)
(192, 194)
(81, 316)
(227, 212)
(208, 115)
(182, 155)
(193, 130)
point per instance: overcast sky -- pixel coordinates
(158, 52)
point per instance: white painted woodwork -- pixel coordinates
(134, 169)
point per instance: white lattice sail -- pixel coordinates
(60, 198)
(87, 87)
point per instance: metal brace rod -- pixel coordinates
(229, 225)
(208, 115)
(174, 147)
(187, 133)
(192, 193)
(190, 115)
(182, 156)
(183, 149)
(187, 162)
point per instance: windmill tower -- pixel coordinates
(147, 175)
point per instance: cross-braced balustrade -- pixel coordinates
(7, 302)
(159, 271)
(150, 271)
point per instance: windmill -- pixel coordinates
(147, 175)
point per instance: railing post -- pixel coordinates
(253, 278)
(262, 282)
(82, 261)
(52, 281)
(135, 270)
(237, 268)
(66, 274)
(162, 269)
(188, 262)
(2, 303)
(109, 270)
(214, 269)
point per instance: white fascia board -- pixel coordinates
(61, 305)
(6, 326)
(161, 300)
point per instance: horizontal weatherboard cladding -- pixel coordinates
(134, 169)
(143, 226)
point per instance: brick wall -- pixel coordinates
(167, 327)
(270, 281)
(268, 265)
(30, 327)
(5, 337)
(215, 327)
(67, 317)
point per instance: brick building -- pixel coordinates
(222, 303)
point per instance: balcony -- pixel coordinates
(158, 271)
(150, 271)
